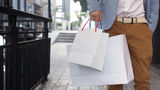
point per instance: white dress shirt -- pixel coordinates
(130, 8)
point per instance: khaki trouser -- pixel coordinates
(139, 38)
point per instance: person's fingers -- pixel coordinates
(96, 15)
(97, 18)
(100, 17)
(93, 17)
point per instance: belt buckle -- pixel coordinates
(127, 22)
(123, 20)
(132, 21)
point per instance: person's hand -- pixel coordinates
(96, 15)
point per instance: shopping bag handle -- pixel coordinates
(96, 25)
(85, 24)
(90, 24)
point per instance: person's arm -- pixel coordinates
(94, 10)
(93, 5)
(154, 14)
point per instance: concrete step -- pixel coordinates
(65, 37)
(67, 34)
(64, 41)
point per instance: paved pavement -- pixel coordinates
(59, 77)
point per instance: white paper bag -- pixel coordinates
(89, 49)
(117, 66)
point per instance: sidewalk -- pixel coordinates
(59, 77)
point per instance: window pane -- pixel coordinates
(15, 4)
(22, 6)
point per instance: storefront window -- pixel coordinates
(38, 7)
(44, 4)
(15, 4)
(22, 5)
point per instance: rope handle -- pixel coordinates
(85, 24)
(90, 24)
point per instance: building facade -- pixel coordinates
(38, 7)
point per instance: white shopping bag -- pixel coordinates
(89, 48)
(117, 66)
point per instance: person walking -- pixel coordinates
(137, 19)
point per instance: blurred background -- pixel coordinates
(65, 14)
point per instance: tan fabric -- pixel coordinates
(139, 38)
(129, 20)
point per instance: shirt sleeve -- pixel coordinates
(154, 14)
(93, 5)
